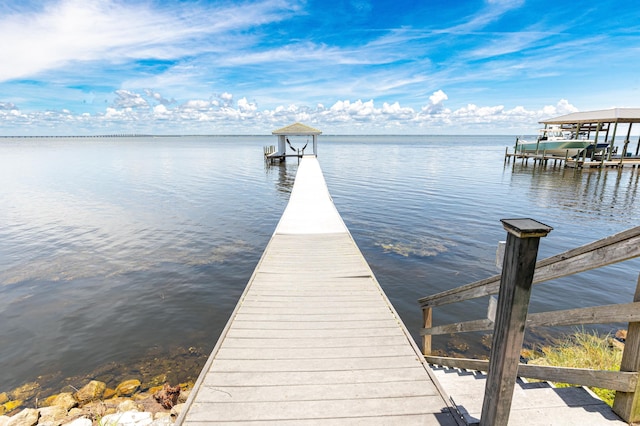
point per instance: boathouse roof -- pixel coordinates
(297, 129)
(614, 115)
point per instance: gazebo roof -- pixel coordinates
(615, 115)
(297, 129)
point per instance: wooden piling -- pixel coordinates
(427, 321)
(627, 404)
(513, 302)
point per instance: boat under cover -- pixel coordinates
(555, 141)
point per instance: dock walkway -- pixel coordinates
(314, 339)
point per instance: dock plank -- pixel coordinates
(318, 364)
(272, 378)
(317, 410)
(288, 353)
(331, 330)
(323, 342)
(352, 328)
(332, 391)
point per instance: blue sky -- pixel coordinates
(77, 67)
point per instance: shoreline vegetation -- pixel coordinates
(154, 401)
(582, 349)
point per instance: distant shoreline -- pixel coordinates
(136, 135)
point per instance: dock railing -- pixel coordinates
(521, 271)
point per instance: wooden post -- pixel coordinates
(427, 322)
(523, 238)
(627, 404)
(624, 152)
(613, 141)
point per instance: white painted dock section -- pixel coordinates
(314, 339)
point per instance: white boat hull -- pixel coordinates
(560, 148)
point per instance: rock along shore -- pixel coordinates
(95, 404)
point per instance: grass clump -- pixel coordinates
(582, 350)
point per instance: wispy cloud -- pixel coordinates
(76, 31)
(492, 12)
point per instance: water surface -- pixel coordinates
(122, 251)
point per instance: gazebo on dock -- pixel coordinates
(296, 130)
(598, 122)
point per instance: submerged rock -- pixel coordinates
(158, 380)
(11, 405)
(26, 391)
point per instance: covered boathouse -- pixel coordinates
(296, 146)
(602, 126)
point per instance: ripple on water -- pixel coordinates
(114, 253)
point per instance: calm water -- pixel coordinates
(117, 253)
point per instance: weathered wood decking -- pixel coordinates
(314, 339)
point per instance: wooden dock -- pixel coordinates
(314, 339)
(574, 163)
(601, 164)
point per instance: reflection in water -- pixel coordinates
(286, 172)
(582, 193)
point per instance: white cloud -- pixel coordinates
(197, 104)
(397, 112)
(160, 109)
(127, 99)
(438, 97)
(7, 106)
(113, 113)
(226, 98)
(246, 106)
(131, 112)
(158, 97)
(436, 103)
(74, 31)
